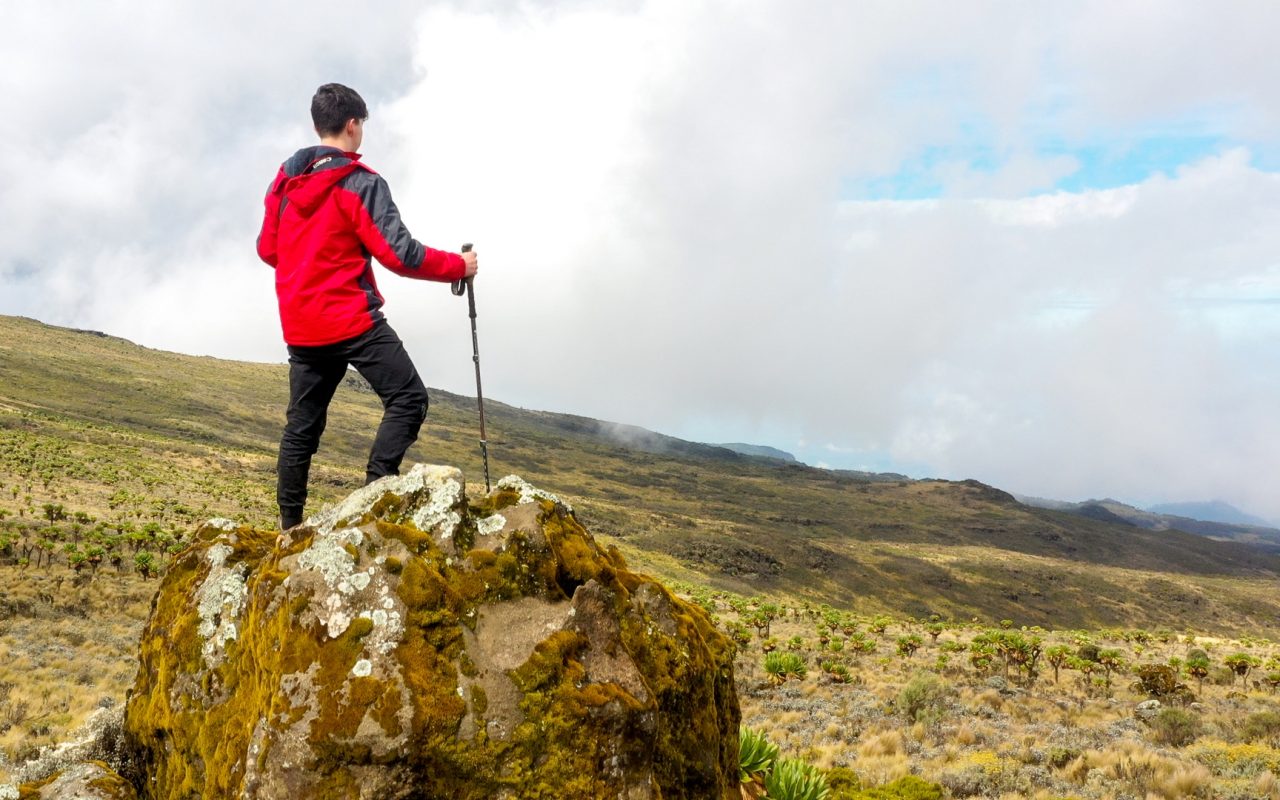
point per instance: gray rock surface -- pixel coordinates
(84, 781)
(1147, 710)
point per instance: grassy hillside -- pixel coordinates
(102, 441)
(119, 432)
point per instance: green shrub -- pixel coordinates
(1059, 757)
(145, 563)
(906, 788)
(1198, 667)
(837, 672)
(1111, 660)
(1272, 679)
(1247, 760)
(1161, 681)
(756, 754)
(739, 633)
(780, 665)
(1222, 676)
(923, 698)
(1057, 656)
(1242, 664)
(908, 645)
(842, 780)
(981, 656)
(1175, 727)
(792, 779)
(1262, 726)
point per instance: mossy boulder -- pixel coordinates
(410, 644)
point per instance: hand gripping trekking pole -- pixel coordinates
(467, 285)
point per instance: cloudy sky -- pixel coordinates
(1031, 243)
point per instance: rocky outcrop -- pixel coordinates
(408, 643)
(79, 767)
(88, 780)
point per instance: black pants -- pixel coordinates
(314, 375)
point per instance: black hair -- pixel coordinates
(333, 105)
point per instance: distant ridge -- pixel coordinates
(1257, 534)
(1210, 511)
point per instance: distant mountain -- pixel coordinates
(1211, 511)
(758, 450)
(1256, 534)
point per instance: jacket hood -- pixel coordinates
(309, 174)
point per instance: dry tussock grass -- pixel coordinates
(968, 734)
(1268, 786)
(68, 653)
(881, 744)
(991, 699)
(1146, 772)
(882, 757)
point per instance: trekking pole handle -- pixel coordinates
(459, 287)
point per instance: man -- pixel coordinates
(326, 216)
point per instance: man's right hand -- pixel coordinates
(469, 259)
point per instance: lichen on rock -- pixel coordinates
(220, 600)
(407, 643)
(527, 492)
(427, 494)
(491, 524)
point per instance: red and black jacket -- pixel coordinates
(326, 216)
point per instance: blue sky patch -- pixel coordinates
(1106, 166)
(1102, 164)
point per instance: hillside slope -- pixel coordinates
(110, 428)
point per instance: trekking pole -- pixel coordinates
(467, 285)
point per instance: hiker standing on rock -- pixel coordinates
(327, 215)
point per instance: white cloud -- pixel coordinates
(655, 189)
(148, 133)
